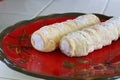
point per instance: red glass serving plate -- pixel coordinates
(17, 52)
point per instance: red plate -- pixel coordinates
(18, 54)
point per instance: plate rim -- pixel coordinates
(13, 66)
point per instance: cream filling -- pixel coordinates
(37, 42)
(65, 47)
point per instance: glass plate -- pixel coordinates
(17, 53)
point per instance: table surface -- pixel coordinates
(12, 11)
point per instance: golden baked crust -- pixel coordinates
(90, 39)
(51, 35)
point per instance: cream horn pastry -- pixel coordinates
(47, 38)
(81, 43)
